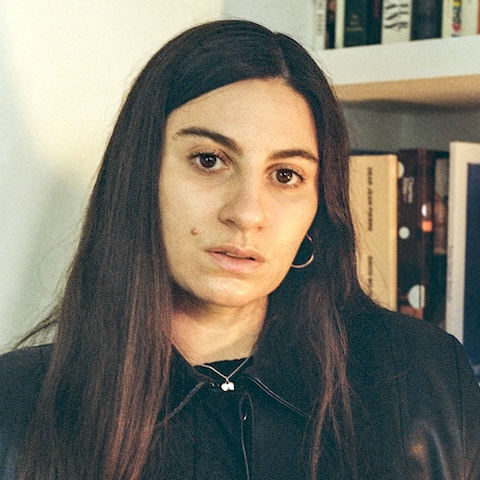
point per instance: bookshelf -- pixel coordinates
(439, 72)
(418, 93)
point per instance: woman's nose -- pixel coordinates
(244, 205)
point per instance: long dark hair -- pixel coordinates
(109, 375)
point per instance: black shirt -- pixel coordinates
(217, 425)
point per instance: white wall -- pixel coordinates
(64, 68)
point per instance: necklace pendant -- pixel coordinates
(227, 385)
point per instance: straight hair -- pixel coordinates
(109, 376)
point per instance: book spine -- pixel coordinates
(469, 17)
(373, 198)
(320, 24)
(426, 19)
(415, 230)
(440, 240)
(331, 13)
(456, 21)
(356, 23)
(447, 18)
(396, 21)
(374, 31)
(460, 18)
(471, 308)
(463, 269)
(339, 23)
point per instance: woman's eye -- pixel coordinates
(208, 160)
(287, 176)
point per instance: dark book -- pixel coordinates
(356, 23)
(426, 19)
(463, 273)
(471, 307)
(331, 11)
(374, 31)
(415, 231)
(436, 311)
(362, 22)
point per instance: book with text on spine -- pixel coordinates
(373, 198)
(415, 231)
(358, 22)
(463, 269)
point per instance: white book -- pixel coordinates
(339, 23)
(463, 270)
(469, 17)
(319, 24)
(460, 18)
(396, 21)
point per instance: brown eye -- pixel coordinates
(207, 160)
(284, 176)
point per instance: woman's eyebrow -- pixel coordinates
(295, 152)
(233, 145)
(215, 136)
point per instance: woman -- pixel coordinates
(212, 325)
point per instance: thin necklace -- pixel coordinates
(227, 384)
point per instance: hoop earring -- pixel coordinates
(312, 256)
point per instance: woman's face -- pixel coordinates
(238, 190)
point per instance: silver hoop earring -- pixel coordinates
(312, 256)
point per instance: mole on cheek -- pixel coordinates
(194, 231)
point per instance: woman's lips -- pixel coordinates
(236, 259)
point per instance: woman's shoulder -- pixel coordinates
(394, 332)
(418, 377)
(395, 346)
(22, 372)
(392, 345)
(26, 362)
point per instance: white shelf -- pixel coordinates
(437, 72)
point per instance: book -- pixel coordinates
(463, 269)
(415, 230)
(339, 23)
(373, 199)
(331, 13)
(396, 21)
(375, 20)
(362, 21)
(355, 23)
(320, 34)
(440, 240)
(426, 19)
(469, 17)
(460, 18)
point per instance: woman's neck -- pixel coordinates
(209, 334)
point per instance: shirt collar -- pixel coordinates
(275, 369)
